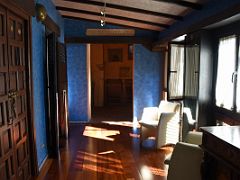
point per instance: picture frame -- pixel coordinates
(115, 55)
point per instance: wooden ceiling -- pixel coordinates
(154, 15)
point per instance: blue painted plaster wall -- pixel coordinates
(38, 71)
(77, 82)
(147, 79)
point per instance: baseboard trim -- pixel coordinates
(43, 169)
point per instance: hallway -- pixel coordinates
(112, 113)
(103, 151)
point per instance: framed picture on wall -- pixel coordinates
(115, 55)
(130, 52)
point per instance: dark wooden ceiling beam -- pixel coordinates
(187, 4)
(113, 16)
(111, 23)
(175, 17)
(111, 40)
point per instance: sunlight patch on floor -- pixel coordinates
(106, 152)
(133, 135)
(122, 123)
(158, 171)
(149, 172)
(100, 133)
(102, 163)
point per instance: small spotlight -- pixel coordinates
(102, 22)
(102, 13)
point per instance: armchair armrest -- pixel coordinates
(194, 137)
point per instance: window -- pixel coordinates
(191, 71)
(238, 86)
(176, 72)
(226, 74)
(183, 72)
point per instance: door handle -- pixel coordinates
(12, 107)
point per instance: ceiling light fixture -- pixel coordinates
(103, 15)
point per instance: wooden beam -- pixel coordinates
(51, 25)
(187, 4)
(110, 32)
(108, 40)
(108, 20)
(197, 25)
(113, 11)
(133, 9)
(113, 16)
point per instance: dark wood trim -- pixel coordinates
(85, 19)
(45, 168)
(187, 4)
(113, 16)
(32, 130)
(227, 116)
(175, 17)
(233, 10)
(14, 8)
(27, 5)
(112, 40)
(51, 25)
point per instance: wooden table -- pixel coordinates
(221, 145)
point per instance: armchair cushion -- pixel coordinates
(150, 113)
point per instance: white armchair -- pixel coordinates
(185, 162)
(161, 122)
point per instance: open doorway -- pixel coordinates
(111, 82)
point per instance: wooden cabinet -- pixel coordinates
(221, 153)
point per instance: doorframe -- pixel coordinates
(89, 78)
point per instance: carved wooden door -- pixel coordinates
(14, 147)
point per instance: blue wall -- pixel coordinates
(147, 79)
(38, 71)
(77, 82)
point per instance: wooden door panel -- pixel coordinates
(14, 146)
(11, 28)
(7, 140)
(6, 169)
(17, 133)
(17, 85)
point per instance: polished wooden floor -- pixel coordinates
(100, 150)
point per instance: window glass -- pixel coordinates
(175, 86)
(225, 71)
(238, 85)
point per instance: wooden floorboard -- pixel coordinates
(96, 151)
(119, 157)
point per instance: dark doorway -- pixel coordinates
(52, 95)
(112, 81)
